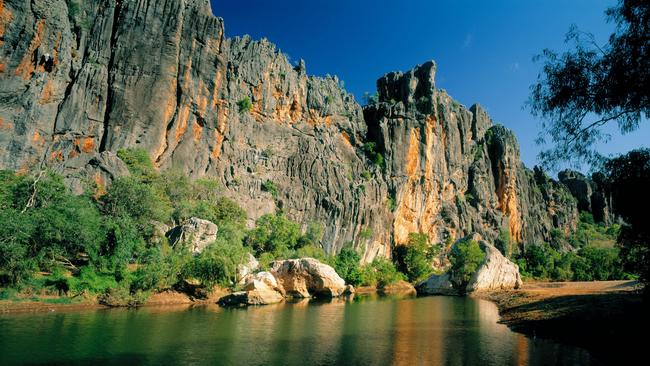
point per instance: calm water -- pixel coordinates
(415, 331)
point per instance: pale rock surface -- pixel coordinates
(307, 277)
(195, 233)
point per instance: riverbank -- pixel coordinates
(606, 317)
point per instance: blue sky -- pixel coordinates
(484, 49)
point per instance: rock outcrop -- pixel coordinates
(81, 80)
(307, 277)
(260, 289)
(495, 273)
(591, 193)
(195, 234)
(453, 172)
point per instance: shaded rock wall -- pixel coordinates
(78, 83)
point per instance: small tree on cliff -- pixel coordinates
(581, 91)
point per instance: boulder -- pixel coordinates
(195, 233)
(307, 277)
(495, 273)
(245, 271)
(437, 285)
(260, 289)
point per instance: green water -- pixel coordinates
(412, 331)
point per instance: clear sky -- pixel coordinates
(483, 49)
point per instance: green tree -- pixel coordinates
(465, 257)
(581, 91)
(274, 234)
(347, 265)
(414, 258)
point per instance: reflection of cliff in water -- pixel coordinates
(363, 331)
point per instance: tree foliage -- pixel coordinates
(580, 91)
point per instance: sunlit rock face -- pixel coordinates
(76, 82)
(453, 172)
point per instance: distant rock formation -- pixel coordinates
(79, 83)
(591, 193)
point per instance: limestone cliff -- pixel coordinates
(80, 80)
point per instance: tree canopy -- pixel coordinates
(581, 91)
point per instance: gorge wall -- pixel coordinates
(81, 80)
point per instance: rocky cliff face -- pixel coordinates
(80, 80)
(453, 172)
(591, 194)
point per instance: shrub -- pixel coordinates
(274, 234)
(365, 233)
(313, 235)
(347, 265)
(414, 258)
(129, 197)
(269, 186)
(504, 243)
(139, 163)
(245, 105)
(381, 272)
(465, 257)
(217, 264)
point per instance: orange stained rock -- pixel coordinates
(56, 155)
(37, 138)
(217, 87)
(46, 94)
(26, 66)
(197, 130)
(346, 139)
(183, 116)
(88, 145)
(413, 154)
(508, 202)
(3, 66)
(5, 19)
(5, 125)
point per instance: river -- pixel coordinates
(361, 331)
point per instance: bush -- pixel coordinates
(414, 258)
(139, 163)
(380, 273)
(269, 186)
(245, 105)
(274, 234)
(217, 264)
(313, 235)
(347, 266)
(465, 257)
(505, 244)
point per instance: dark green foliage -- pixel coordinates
(274, 234)
(505, 244)
(127, 196)
(591, 86)
(269, 186)
(381, 272)
(139, 163)
(541, 261)
(628, 179)
(465, 258)
(347, 265)
(107, 246)
(245, 105)
(365, 233)
(376, 157)
(313, 235)
(414, 258)
(217, 264)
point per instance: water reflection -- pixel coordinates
(359, 331)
